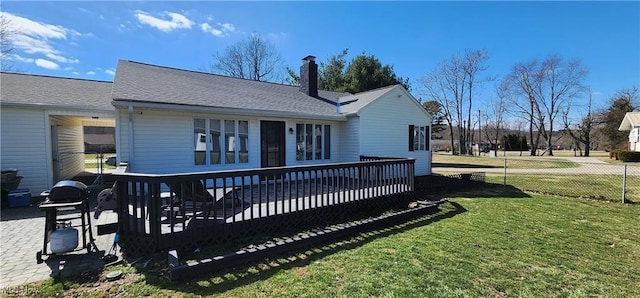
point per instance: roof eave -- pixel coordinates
(51, 106)
(222, 110)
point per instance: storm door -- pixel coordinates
(272, 144)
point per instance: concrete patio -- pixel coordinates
(21, 234)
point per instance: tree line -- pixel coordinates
(536, 96)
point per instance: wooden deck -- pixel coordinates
(158, 211)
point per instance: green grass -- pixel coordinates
(599, 187)
(514, 163)
(538, 246)
(91, 161)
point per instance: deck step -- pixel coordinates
(107, 222)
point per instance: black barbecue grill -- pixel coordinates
(68, 191)
(66, 198)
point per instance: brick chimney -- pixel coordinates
(309, 76)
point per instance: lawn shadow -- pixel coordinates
(435, 186)
(226, 279)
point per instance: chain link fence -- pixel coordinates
(593, 180)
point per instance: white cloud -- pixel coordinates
(47, 64)
(276, 36)
(21, 59)
(221, 29)
(227, 27)
(90, 73)
(205, 27)
(110, 72)
(33, 37)
(75, 73)
(177, 21)
(61, 59)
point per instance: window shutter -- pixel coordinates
(427, 140)
(411, 130)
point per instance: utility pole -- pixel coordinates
(479, 133)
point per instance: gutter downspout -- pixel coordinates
(130, 112)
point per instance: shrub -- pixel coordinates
(613, 154)
(628, 156)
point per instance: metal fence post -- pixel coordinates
(624, 183)
(504, 179)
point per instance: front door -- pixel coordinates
(272, 144)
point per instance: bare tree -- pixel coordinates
(473, 64)
(494, 118)
(583, 131)
(254, 58)
(518, 88)
(453, 84)
(6, 47)
(543, 90)
(437, 89)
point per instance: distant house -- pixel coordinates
(42, 120)
(171, 120)
(631, 123)
(102, 143)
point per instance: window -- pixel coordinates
(230, 137)
(419, 137)
(313, 141)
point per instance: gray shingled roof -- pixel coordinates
(26, 89)
(141, 82)
(353, 103)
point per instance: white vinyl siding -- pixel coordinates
(163, 142)
(349, 149)
(70, 151)
(634, 139)
(24, 147)
(384, 124)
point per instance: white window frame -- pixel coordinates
(302, 147)
(222, 141)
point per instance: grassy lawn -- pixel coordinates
(92, 162)
(462, 161)
(600, 187)
(481, 244)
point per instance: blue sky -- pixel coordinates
(85, 39)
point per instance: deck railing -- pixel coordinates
(159, 212)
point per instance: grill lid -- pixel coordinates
(68, 191)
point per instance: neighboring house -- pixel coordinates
(170, 120)
(631, 122)
(100, 143)
(42, 121)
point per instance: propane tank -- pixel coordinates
(64, 238)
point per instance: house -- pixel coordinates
(171, 120)
(41, 128)
(631, 122)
